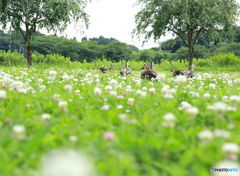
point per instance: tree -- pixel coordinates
(185, 18)
(28, 16)
(117, 51)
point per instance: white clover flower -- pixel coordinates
(42, 87)
(181, 79)
(130, 101)
(40, 80)
(169, 120)
(193, 111)
(77, 92)
(237, 81)
(52, 73)
(161, 77)
(18, 129)
(113, 83)
(230, 148)
(167, 124)
(17, 85)
(168, 92)
(144, 88)
(113, 93)
(184, 105)
(56, 96)
(169, 117)
(225, 98)
(205, 135)
(3, 94)
(207, 96)
(73, 138)
(108, 88)
(194, 94)
(139, 92)
(120, 97)
(62, 105)
(97, 91)
(222, 133)
(212, 86)
(46, 116)
(66, 77)
(68, 88)
(152, 90)
(122, 116)
(66, 163)
(105, 107)
(221, 107)
(119, 107)
(234, 99)
(75, 79)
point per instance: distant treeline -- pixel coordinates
(111, 49)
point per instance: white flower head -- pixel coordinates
(237, 81)
(46, 116)
(152, 90)
(207, 96)
(68, 87)
(62, 105)
(105, 107)
(181, 79)
(119, 107)
(130, 101)
(73, 138)
(221, 107)
(3, 94)
(18, 129)
(161, 77)
(169, 117)
(52, 73)
(113, 83)
(192, 111)
(97, 91)
(66, 163)
(230, 148)
(205, 135)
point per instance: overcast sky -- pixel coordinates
(112, 18)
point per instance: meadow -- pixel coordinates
(113, 125)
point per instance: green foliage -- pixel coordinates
(225, 60)
(7, 58)
(29, 16)
(229, 48)
(145, 142)
(117, 51)
(186, 19)
(14, 58)
(199, 52)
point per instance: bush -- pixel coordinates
(232, 48)
(14, 58)
(222, 60)
(8, 58)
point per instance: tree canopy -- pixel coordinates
(28, 16)
(185, 18)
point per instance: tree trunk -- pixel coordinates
(190, 49)
(190, 57)
(29, 53)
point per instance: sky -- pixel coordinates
(111, 18)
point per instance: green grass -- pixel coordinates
(142, 146)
